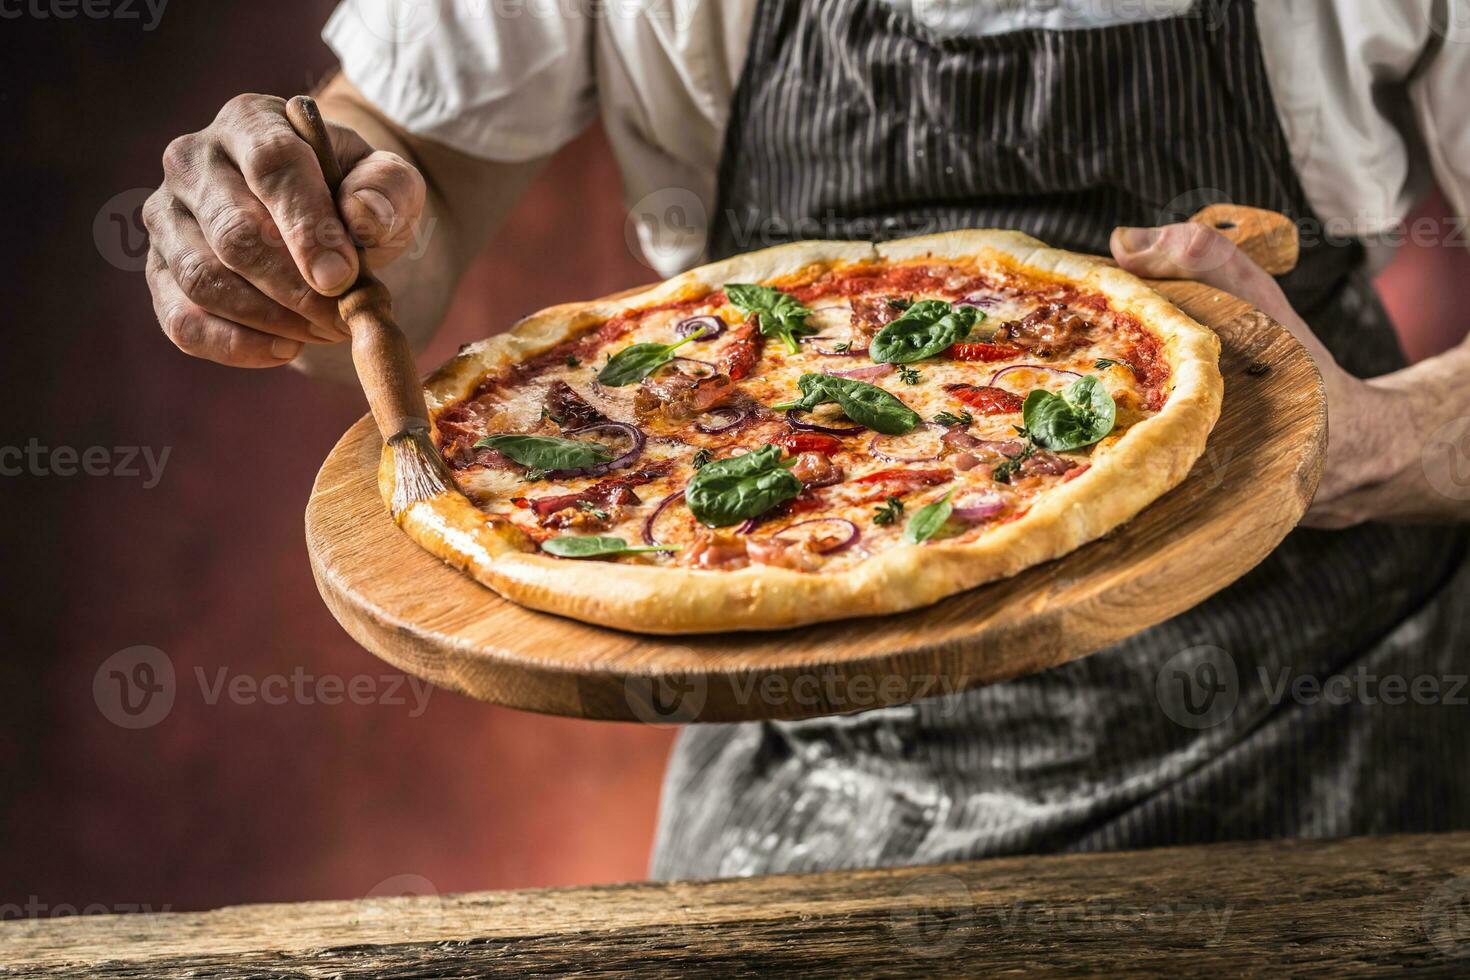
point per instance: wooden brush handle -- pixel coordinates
(380, 351)
(1268, 238)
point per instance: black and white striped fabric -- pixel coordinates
(852, 121)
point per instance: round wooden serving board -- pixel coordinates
(1250, 488)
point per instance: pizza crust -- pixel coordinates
(1151, 458)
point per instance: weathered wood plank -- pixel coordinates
(1361, 907)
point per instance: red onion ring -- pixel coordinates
(707, 368)
(797, 423)
(889, 458)
(851, 539)
(733, 416)
(652, 518)
(979, 299)
(1030, 367)
(850, 352)
(863, 374)
(713, 327)
(622, 462)
(979, 508)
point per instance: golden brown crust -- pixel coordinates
(1151, 458)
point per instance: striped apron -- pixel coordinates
(1320, 695)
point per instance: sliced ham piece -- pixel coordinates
(679, 397)
(568, 409)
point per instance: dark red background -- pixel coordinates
(228, 803)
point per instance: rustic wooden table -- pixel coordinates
(1360, 907)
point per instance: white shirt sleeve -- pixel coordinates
(1443, 107)
(499, 81)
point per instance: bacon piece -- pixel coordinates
(1048, 330)
(982, 352)
(568, 409)
(715, 549)
(460, 427)
(1046, 464)
(985, 399)
(809, 442)
(816, 470)
(741, 351)
(679, 397)
(891, 483)
(782, 553)
(872, 313)
(608, 495)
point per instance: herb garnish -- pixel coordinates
(591, 508)
(780, 315)
(538, 453)
(533, 476)
(950, 418)
(594, 546)
(888, 512)
(1103, 363)
(639, 361)
(900, 302)
(842, 347)
(908, 375)
(865, 404)
(1079, 415)
(925, 328)
(701, 457)
(573, 361)
(927, 520)
(737, 488)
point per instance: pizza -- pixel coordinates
(813, 431)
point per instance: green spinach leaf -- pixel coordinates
(592, 546)
(780, 315)
(927, 520)
(547, 452)
(926, 328)
(865, 404)
(639, 361)
(727, 491)
(1079, 415)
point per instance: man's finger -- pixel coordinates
(382, 197)
(1193, 251)
(196, 331)
(280, 169)
(242, 233)
(207, 282)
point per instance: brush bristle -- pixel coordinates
(419, 472)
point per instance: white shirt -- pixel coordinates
(1372, 94)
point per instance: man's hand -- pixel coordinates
(1373, 468)
(245, 242)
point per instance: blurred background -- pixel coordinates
(200, 556)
